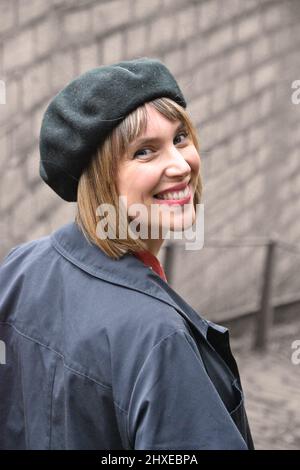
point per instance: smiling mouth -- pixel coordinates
(174, 197)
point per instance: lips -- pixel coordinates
(177, 187)
(171, 202)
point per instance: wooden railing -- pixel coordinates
(265, 314)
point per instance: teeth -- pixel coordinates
(175, 195)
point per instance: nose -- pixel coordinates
(177, 164)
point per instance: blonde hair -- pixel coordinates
(98, 182)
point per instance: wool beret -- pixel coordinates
(81, 116)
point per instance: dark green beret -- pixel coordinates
(80, 117)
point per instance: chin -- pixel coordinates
(177, 227)
(182, 222)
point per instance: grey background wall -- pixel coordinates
(235, 61)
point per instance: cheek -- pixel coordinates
(139, 184)
(146, 180)
(194, 161)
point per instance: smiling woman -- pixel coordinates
(170, 165)
(101, 353)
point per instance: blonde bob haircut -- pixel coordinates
(98, 183)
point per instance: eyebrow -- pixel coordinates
(147, 140)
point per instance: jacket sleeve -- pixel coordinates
(174, 405)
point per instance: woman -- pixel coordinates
(101, 353)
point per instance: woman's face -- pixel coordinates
(159, 159)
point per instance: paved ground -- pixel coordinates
(271, 384)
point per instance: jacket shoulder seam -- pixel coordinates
(72, 369)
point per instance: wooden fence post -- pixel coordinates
(264, 317)
(169, 262)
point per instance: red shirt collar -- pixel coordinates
(149, 259)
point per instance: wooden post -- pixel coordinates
(169, 262)
(264, 318)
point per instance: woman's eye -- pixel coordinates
(184, 134)
(139, 152)
(142, 153)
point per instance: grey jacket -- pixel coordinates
(103, 354)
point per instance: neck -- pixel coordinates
(154, 246)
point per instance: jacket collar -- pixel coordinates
(128, 271)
